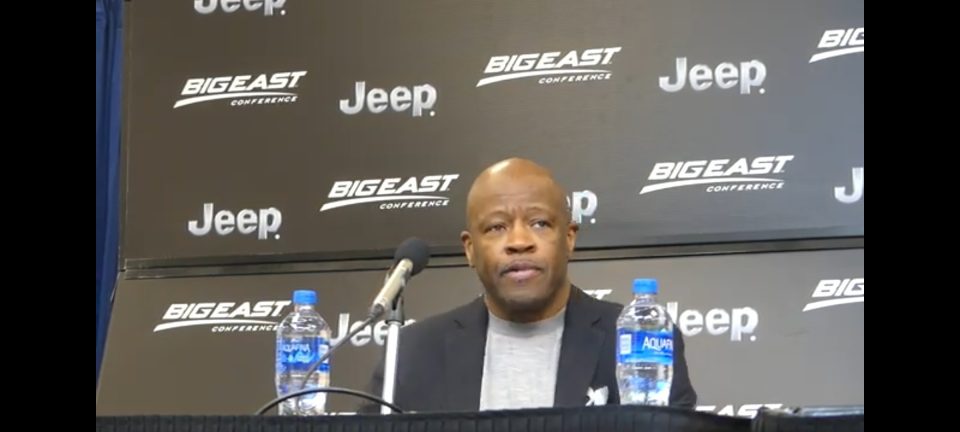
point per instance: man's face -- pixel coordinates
(519, 239)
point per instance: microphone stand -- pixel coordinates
(394, 322)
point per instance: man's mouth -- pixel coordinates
(521, 271)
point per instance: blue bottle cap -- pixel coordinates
(306, 297)
(644, 286)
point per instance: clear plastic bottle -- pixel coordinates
(644, 348)
(302, 338)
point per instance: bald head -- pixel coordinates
(510, 177)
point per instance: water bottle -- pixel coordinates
(302, 338)
(644, 348)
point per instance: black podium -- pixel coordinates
(588, 419)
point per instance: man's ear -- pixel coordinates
(467, 246)
(572, 229)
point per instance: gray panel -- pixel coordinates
(755, 345)
(604, 135)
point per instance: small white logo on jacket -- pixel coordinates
(597, 397)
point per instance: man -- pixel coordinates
(533, 339)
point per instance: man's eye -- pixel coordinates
(541, 224)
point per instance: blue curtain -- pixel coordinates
(109, 72)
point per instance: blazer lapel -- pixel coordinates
(466, 342)
(579, 351)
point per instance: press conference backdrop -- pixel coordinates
(761, 329)
(265, 129)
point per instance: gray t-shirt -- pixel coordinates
(520, 363)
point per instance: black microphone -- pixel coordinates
(410, 258)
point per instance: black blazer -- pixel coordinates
(440, 359)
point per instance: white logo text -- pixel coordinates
(207, 7)
(583, 204)
(572, 66)
(377, 333)
(405, 193)
(263, 89)
(264, 222)
(836, 292)
(716, 172)
(745, 410)
(738, 321)
(228, 316)
(839, 42)
(749, 75)
(856, 191)
(420, 99)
